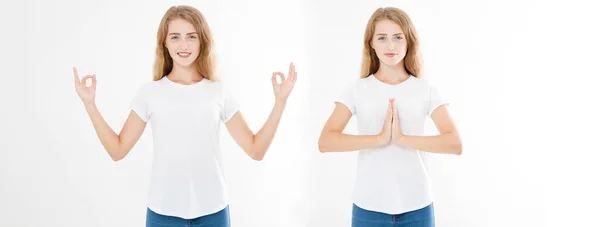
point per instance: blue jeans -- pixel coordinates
(423, 217)
(219, 219)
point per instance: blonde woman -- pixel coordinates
(186, 106)
(391, 102)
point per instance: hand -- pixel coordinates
(386, 132)
(282, 91)
(86, 94)
(396, 131)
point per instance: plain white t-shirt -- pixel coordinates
(391, 179)
(187, 178)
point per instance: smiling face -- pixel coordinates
(182, 42)
(389, 42)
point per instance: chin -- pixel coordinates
(184, 63)
(390, 62)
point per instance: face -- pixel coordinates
(183, 42)
(389, 42)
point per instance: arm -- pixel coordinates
(447, 142)
(333, 140)
(119, 145)
(256, 145)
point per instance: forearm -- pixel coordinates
(340, 142)
(109, 139)
(264, 136)
(448, 143)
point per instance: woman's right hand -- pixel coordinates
(386, 132)
(86, 94)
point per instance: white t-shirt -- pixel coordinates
(391, 179)
(187, 180)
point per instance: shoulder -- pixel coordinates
(147, 86)
(215, 86)
(357, 83)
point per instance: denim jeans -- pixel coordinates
(423, 217)
(219, 219)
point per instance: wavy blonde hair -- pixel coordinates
(163, 63)
(412, 61)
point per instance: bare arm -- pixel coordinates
(256, 146)
(333, 140)
(117, 145)
(447, 142)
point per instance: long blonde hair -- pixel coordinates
(412, 62)
(163, 63)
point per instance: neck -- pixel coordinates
(185, 74)
(392, 74)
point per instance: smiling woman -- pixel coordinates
(186, 107)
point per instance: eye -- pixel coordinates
(399, 37)
(381, 38)
(193, 37)
(174, 37)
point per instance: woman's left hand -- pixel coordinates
(396, 131)
(282, 90)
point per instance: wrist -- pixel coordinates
(382, 139)
(280, 103)
(90, 105)
(400, 139)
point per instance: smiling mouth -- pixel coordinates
(184, 54)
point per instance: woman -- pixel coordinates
(391, 102)
(186, 107)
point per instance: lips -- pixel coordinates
(184, 54)
(390, 55)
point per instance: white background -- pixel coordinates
(521, 78)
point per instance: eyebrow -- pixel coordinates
(186, 34)
(394, 34)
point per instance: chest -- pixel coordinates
(191, 108)
(410, 104)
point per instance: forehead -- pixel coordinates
(180, 26)
(387, 27)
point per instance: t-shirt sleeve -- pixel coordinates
(139, 104)
(435, 100)
(348, 97)
(229, 106)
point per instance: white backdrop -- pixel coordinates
(519, 75)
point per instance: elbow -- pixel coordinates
(322, 148)
(116, 158)
(258, 157)
(323, 145)
(117, 155)
(255, 155)
(458, 150)
(458, 147)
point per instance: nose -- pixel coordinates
(391, 46)
(184, 46)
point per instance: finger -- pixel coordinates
(389, 114)
(393, 106)
(94, 81)
(291, 71)
(84, 80)
(274, 79)
(76, 75)
(294, 75)
(294, 78)
(281, 76)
